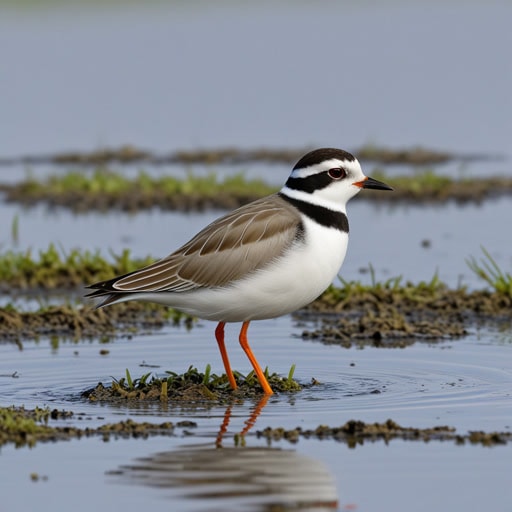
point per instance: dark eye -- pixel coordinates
(337, 173)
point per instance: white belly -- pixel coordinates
(292, 282)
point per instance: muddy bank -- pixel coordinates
(78, 322)
(396, 317)
(22, 427)
(105, 190)
(133, 200)
(355, 433)
(232, 156)
(27, 427)
(192, 386)
(354, 315)
(389, 313)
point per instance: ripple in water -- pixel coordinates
(466, 383)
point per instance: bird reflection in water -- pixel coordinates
(216, 477)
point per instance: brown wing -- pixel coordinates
(229, 248)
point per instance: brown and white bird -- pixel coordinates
(263, 260)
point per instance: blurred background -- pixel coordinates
(186, 75)
(163, 75)
(168, 76)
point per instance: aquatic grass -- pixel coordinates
(289, 379)
(104, 189)
(393, 286)
(15, 230)
(394, 313)
(488, 270)
(129, 384)
(53, 268)
(190, 385)
(429, 186)
(425, 182)
(23, 427)
(129, 379)
(207, 374)
(108, 183)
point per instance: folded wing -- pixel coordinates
(229, 249)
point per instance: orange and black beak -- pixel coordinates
(371, 183)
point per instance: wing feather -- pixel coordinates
(231, 247)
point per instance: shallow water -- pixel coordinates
(167, 77)
(464, 384)
(399, 476)
(390, 238)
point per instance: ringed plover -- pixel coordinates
(263, 260)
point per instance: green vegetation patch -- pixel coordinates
(106, 190)
(191, 386)
(56, 269)
(488, 270)
(355, 433)
(389, 314)
(429, 187)
(23, 427)
(392, 314)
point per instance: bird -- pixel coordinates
(263, 260)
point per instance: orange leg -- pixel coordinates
(257, 369)
(219, 336)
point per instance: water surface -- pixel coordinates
(168, 76)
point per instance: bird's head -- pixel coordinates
(330, 176)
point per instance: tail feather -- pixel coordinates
(97, 293)
(106, 291)
(107, 296)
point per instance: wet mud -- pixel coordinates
(423, 189)
(22, 427)
(27, 427)
(434, 189)
(192, 386)
(382, 317)
(85, 322)
(355, 433)
(131, 154)
(390, 317)
(133, 200)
